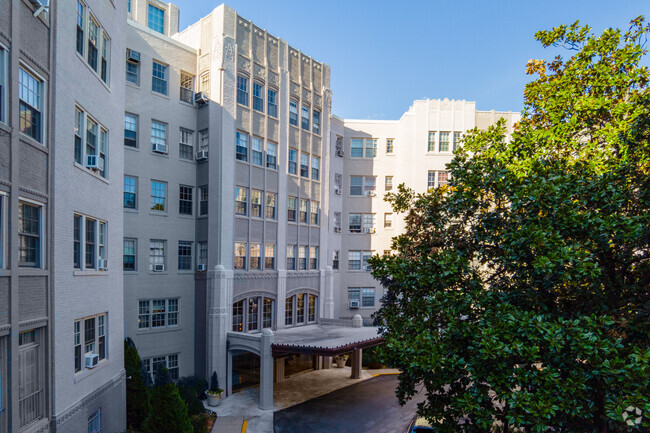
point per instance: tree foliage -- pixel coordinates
(168, 410)
(137, 398)
(518, 295)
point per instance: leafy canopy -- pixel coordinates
(518, 296)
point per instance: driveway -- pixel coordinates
(366, 407)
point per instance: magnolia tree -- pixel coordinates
(517, 299)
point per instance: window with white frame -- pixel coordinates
(437, 178)
(364, 295)
(288, 311)
(157, 254)
(186, 145)
(202, 253)
(314, 215)
(315, 168)
(241, 146)
(292, 205)
(106, 50)
(293, 161)
(304, 164)
(338, 146)
(316, 121)
(185, 200)
(431, 143)
(156, 19)
(362, 185)
(444, 142)
(355, 222)
(159, 78)
(272, 104)
(271, 155)
(363, 146)
(304, 209)
(158, 137)
(130, 130)
(241, 200)
(302, 257)
(258, 96)
(358, 260)
(388, 185)
(313, 258)
(95, 422)
(3, 83)
(203, 200)
(456, 141)
(30, 94)
(305, 118)
(337, 222)
(256, 203)
(312, 308)
(132, 72)
(31, 376)
(158, 313)
(204, 83)
(335, 259)
(184, 255)
(158, 195)
(257, 153)
(368, 222)
(390, 146)
(90, 339)
(93, 42)
(269, 257)
(242, 90)
(293, 112)
(170, 362)
(81, 17)
(204, 139)
(187, 88)
(291, 257)
(130, 192)
(89, 246)
(271, 205)
(388, 220)
(253, 314)
(30, 227)
(129, 254)
(240, 255)
(256, 256)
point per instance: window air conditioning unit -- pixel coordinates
(201, 155)
(40, 6)
(337, 229)
(103, 264)
(370, 194)
(200, 267)
(337, 191)
(201, 98)
(132, 55)
(158, 268)
(92, 359)
(353, 305)
(369, 230)
(95, 162)
(339, 153)
(160, 147)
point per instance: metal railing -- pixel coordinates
(31, 408)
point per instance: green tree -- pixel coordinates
(168, 410)
(518, 296)
(137, 397)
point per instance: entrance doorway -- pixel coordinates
(297, 363)
(245, 370)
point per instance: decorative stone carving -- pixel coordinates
(274, 78)
(228, 52)
(260, 71)
(204, 61)
(243, 64)
(294, 89)
(445, 104)
(318, 100)
(306, 95)
(328, 99)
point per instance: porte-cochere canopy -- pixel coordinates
(324, 340)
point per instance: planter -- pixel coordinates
(214, 399)
(340, 362)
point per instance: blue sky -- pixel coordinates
(385, 54)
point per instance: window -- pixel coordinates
(271, 200)
(437, 178)
(305, 118)
(357, 146)
(256, 256)
(184, 255)
(368, 222)
(91, 227)
(456, 141)
(337, 222)
(258, 97)
(256, 203)
(156, 21)
(431, 145)
(272, 104)
(304, 206)
(354, 294)
(93, 42)
(106, 50)
(444, 142)
(202, 258)
(91, 137)
(158, 313)
(315, 168)
(355, 222)
(158, 195)
(269, 258)
(238, 316)
(311, 308)
(288, 311)
(129, 255)
(300, 308)
(30, 93)
(128, 6)
(335, 260)
(388, 186)
(291, 257)
(241, 200)
(267, 313)
(158, 137)
(156, 254)
(315, 213)
(204, 85)
(204, 139)
(159, 78)
(101, 243)
(304, 165)
(388, 220)
(170, 362)
(130, 194)
(203, 200)
(187, 88)
(291, 208)
(30, 377)
(339, 146)
(95, 422)
(293, 161)
(240, 255)
(443, 177)
(185, 202)
(371, 147)
(91, 341)
(390, 146)
(77, 242)
(132, 72)
(130, 130)
(242, 146)
(362, 185)
(242, 90)
(3, 85)
(293, 112)
(271, 155)
(316, 126)
(253, 305)
(80, 27)
(185, 145)
(367, 297)
(369, 183)
(358, 260)
(302, 258)
(29, 233)
(338, 182)
(313, 257)
(256, 151)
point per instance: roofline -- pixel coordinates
(285, 349)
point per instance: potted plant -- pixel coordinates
(214, 393)
(340, 360)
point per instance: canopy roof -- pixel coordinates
(324, 340)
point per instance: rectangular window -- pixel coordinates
(185, 202)
(390, 146)
(158, 313)
(431, 144)
(269, 256)
(388, 186)
(256, 256)
(354, 260)
(91, 137)
(305, 118)
(356, 185)
(78, 139)
(304, 208)
(456, 142)
(241, 200)
(365, 255)
(242, 146)
(356, 148)
(77, 241)
(203, 200)
(257, 155)
(204, 84)
(272, 98)
(77, 346)
(444, 141)
(93, 42)
(335, 260)
(371, 147)
(368, 222)
(369, 183)
(437, 178)
(388, 220)
(95, 422)
(3, 85)
(158, 195)
(204, 139)
(311, 308)
(30, 91)
(238, 316)
(443, 177)
(156, 19)
(187, 88)
(302, 258)
(133, 72)
(271, 155)
(313, 257)
(202, 258)
(367, 297)
(339, 146)
(300, 308)
(186, 145)
(337, 222)
(355, 222)
(271, 200)
(256, 203)
(240, 255)
(354, 294)
(184, 255)
(106, 50)
(291, 257)
(315, 168)
(158, 137)
(101, 336)
(293, 161)
(80, 27)
(304, 165)
(315, 213)
(29, 233)
(291, 208)
(159, 78)
(128, 259)
(130, 130)
(130, 193)
(316, 119)
(242, 90)
(101, 241)
(253, 306)
(258, 97)
(267, 313)
(30, 378)
(156, 254)
(288, 311)
(293, 113)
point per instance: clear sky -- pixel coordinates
(385, 54)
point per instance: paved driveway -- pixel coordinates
(366, 407)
